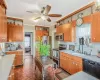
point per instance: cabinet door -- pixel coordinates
(0, 23)
(79, 67)
(15, 33)
(67, 68)
(95, 29)
(3, 26)
(67, 32)
(19, 34)
(87, 19)
(58, 29)
(45, 33)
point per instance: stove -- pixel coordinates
(56, 53)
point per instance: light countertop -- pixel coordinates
(6, 64)
(47, 62)
(81, 76)
(93, 58)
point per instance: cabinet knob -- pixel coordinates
(94, 38)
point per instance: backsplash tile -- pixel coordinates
(84, 31)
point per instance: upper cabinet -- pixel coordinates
(95, 29)
(14, 31)
(69, 31)
(59, 29)
(87, 19)
(41, 31)
(3, 22)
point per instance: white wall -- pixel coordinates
(51, 33)
(31, 28)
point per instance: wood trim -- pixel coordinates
(42, 26)
(75, 12)
(15, 19)
(1, 1)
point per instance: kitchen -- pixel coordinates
(77, 33)
(74, 45)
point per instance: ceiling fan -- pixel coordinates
(45, 14)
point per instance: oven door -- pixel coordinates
(56, 55)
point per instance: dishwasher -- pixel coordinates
(91, 67)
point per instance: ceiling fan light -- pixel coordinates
(34, 20)
(43, 17)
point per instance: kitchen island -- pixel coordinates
(43, 65)
(6, 65)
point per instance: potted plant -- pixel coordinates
(44, 50)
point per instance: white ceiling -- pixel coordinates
(18, 8)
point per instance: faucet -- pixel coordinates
(2, 53)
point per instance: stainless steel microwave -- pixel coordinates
(59, 37)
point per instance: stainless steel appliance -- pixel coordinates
(91, 67)
(59, 37)
(56, 53)
(81, 43)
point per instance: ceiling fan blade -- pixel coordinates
(48, 19)
(37, 18)
(54, 15)
(43, 9)
(47, 9)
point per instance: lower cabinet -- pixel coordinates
(18, 58)
(71, 64)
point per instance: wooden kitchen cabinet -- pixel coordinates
(46, 33)
(38, 34)
(3, 24)
(69, 32)
(95, 27)
(15, 33)
(41, 33)
(87, 19)
(71, 64)
(18, 58)
(59, 29)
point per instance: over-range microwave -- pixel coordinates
(59, 37)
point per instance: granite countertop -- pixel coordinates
(15, 50)
(47, 62)
(81, 76)
(93, 58)
(6, 64)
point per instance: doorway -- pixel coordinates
(28, 43)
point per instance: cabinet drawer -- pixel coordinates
(77, 59)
